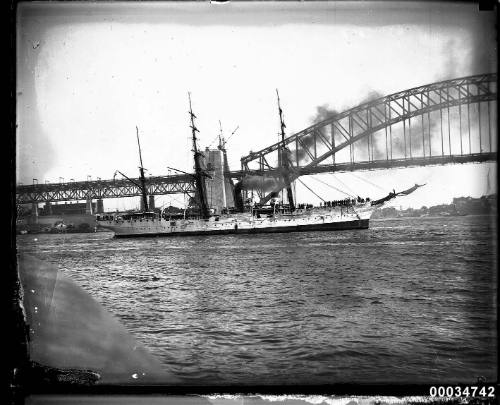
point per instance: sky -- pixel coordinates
(88, 74)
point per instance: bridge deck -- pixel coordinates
(163, 185)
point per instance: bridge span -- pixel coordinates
(448, 122)
(428, 124)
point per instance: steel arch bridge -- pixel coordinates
(452, 121)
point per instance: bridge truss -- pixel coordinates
(101, 189)
(446, 122)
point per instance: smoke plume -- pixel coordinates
(371, 96)
(323, 112)
(300, 154)
(264, 183)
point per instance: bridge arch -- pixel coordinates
(358, 127)
(382, 113)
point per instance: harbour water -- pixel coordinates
(411, 300)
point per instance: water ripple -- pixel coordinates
(407, 301)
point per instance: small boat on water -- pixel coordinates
(269, 215)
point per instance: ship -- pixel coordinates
(268, 215)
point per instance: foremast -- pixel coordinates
(199, 173)
(142, 178)
(283, 159)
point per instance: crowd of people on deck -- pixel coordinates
(336, 203)
(344, 203)
(329, 204)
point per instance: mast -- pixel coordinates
(224, 162)
(283, 159)
(142, 178)
(199, 174)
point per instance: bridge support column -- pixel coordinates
(151, 202)
(100, 206)
(34, 212)
(141, 207)
(48, 207)
(89, 208)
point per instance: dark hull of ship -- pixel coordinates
(335, 226)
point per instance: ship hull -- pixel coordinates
(337, 219)
(335, 226)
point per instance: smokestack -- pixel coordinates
(238, 197)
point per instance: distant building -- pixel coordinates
(441, 209)
(66, 208)
(476, 206)
(387, 212)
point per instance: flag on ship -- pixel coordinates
(392, 195)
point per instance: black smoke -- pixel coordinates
(238, 196)
(323, 112)
(264, 183)
(371, 96)
(306, 141)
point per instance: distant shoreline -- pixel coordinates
(493, 214)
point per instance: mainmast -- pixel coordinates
(283, 159)
(199, 174)
(142, 178)
(222, 148)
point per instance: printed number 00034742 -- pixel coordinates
(462, 391)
